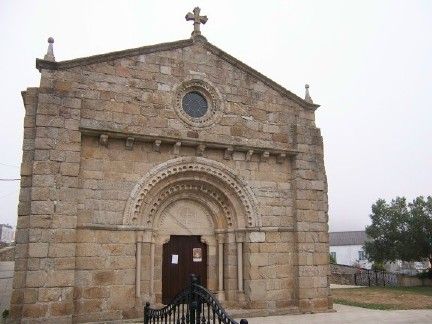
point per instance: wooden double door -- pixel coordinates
(182, 256)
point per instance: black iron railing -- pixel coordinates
(194, 305)
(375, 278)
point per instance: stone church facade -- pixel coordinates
(125, 152)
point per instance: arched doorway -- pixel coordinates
(182, 256)
(218, 207)
(184, 221)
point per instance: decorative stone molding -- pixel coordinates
(198, 191)
(156, 145)
(103, 140)
(213, 97)
(200, 150)
(158, 140)
(129, 143)
(249, 155)
(281, 157)
(228, 153)
(265, 156)
(193, 166)
(176, 148)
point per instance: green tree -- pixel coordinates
(332, 259)
(400, 230)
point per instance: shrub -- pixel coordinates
(5, 314)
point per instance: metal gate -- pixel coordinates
(194, 305)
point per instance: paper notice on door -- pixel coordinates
(197, 254)
(174, 258)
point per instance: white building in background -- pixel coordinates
(347, 248)
(7, 233)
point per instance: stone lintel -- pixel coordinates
(229, 149)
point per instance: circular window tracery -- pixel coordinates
(197, 103)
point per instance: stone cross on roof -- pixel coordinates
(197, 19)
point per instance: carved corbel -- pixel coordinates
(200, 150)
(103, 140)
(265, 156)
(249, 155)
(228, 153)
(156, 145)
(129, 143)
(176, 148)
(281, 157)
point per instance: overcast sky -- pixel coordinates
(369, 65)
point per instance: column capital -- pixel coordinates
(220, 237)
(144, 236)
(240, 236)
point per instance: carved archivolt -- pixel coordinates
(173, 176)
(208, 193)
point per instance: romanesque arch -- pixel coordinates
(221, 185)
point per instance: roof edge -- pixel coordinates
(266, 80)
(52, 65)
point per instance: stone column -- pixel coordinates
(240, 240)
(138, 270)
(143, 237)
(138, 264)
(221, 292)
(152, 269)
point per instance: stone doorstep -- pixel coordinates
(234, 313)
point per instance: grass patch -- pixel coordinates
(427, 291)
(385, 297)
(364, 305)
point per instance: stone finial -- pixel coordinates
(49, 56)
(307, 95)
(197, 19)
